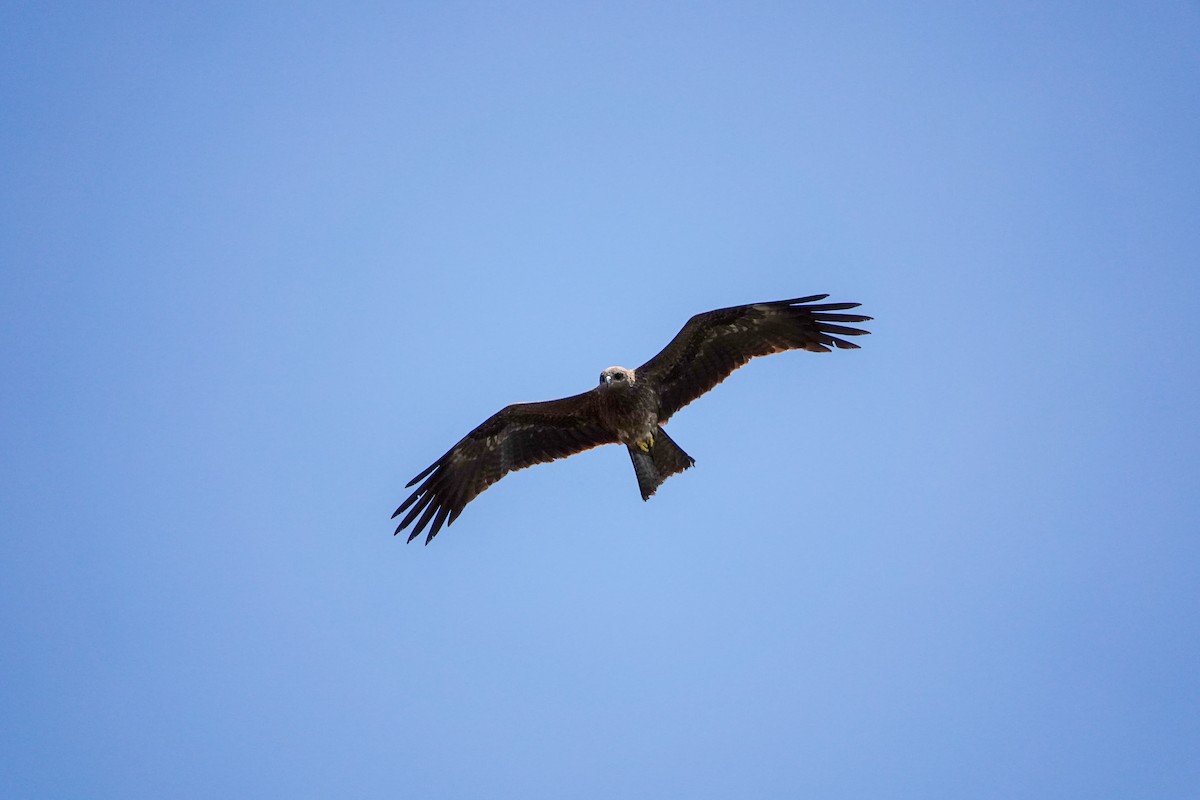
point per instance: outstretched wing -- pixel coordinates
(713, 344)
(516, 437)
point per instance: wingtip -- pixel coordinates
(424, 474)
(812, 298)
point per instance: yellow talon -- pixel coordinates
(646, 443)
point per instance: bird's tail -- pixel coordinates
(653, 465)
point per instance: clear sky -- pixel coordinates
(260, 264)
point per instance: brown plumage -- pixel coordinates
(628, 407)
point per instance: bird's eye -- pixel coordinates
(619, 376)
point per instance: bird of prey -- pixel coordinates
(629, 407)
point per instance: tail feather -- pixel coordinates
(664, 460)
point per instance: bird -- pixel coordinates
(628, 406)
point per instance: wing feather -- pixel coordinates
(516, 437)
(713, 344)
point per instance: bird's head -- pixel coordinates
(616, 377)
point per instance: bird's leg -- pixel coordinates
(645, 444)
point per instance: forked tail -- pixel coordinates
(663, 459)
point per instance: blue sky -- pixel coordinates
(262, 263)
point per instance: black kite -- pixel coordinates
(630, 406)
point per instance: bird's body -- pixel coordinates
(629, 406)
(630, 409)
(626, 406)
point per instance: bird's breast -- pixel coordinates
(630, 415)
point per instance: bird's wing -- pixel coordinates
(516, 437)
(713, 344)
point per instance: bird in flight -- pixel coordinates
(628, 407)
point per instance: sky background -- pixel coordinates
(262, 263)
